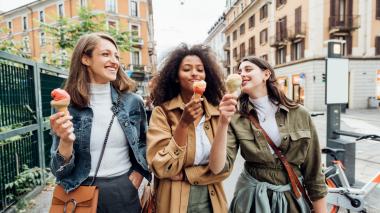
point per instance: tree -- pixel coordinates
(66, 32)
(11, 46)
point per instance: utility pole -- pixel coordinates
(335, 95)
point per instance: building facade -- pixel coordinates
(23, 25)
(292, 36)
(215, 40)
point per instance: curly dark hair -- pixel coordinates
(167, 86)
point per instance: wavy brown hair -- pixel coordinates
(167, 86)
(77, 84)
(275, 94)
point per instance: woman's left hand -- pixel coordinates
(136, 179)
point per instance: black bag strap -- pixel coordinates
(115, 110)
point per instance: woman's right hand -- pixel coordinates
(63, 127)
(192, 111)
(227, 107)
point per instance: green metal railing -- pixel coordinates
(25, 88)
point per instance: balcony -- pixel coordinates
(136, 67)
(226, 46)
(137, 42)
(343, 24)
(297, 32)
(278, 40)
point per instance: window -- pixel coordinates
(234, 53)
(134, 8)
(280, 2)
(263, 36)
(112, 25)
(297, 50)
(10, 27)
(136, 58)
(42, 16)
(251, 46)
(25, 42)
(43, 59)
(342, 4)
(251, 21)
(24, 23)
(135, 30)
(377, 45)
(265, 57)
(42, 39)
(60, 10)
(83, 3)
(242, 50)
(378, 9)
(281, 55)
(281, 31)
(264, 11)
(234, 35)
(242, 29)
(111, 6)
(228, 40)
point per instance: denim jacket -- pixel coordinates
(132, 119)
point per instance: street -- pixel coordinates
(367, 157)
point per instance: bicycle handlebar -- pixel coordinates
(316, 114)
(371, 136)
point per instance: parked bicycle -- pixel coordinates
(340, 194)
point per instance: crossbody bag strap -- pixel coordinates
(115, 110)
(296, 185)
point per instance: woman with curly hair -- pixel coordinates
(182, 130)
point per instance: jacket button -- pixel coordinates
(195, 182)
(176, 152)
(126, 123)
(207, 127)
(212, 193)
(285, 137)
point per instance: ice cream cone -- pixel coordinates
(61, 105)
(199, 88)
(233, 84)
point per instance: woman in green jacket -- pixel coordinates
(264, 185)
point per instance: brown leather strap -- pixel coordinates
(296, 185)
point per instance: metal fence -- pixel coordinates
(25, 88)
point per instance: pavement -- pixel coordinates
(365, 121)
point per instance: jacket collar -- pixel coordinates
(177, 102)
(280, 107)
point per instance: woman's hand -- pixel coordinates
(136, 179)
(192, 111)
(227, 108)
(62, 126)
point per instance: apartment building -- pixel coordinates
(23, 24)
(215, 40)
(292, 36)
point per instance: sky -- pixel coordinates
(175, 21)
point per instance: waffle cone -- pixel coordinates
(197, 96)
(60, 106)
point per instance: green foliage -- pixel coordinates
(25, 182)
(66, 32)
(11, 46)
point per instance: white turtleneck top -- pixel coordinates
(266, 112)
(116, 159)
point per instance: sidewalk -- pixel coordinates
(367, 157)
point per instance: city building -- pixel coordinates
(23, 24)
(215, 40)
(293, 35)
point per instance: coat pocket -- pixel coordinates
(298, 146)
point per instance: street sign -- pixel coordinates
(336, 81)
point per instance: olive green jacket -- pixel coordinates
(299, 143)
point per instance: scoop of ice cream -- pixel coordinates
(233, 83)
(199, 87)
(59, 94)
